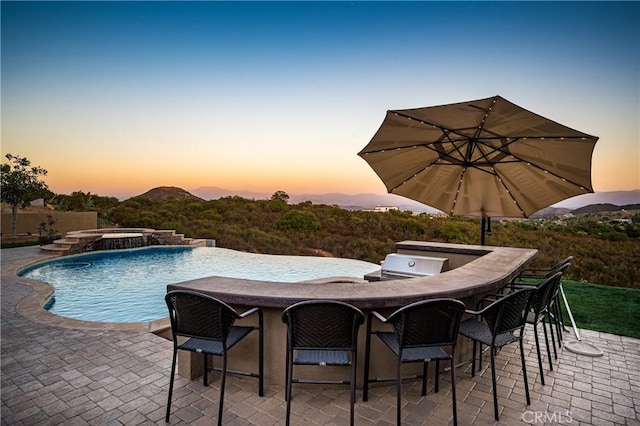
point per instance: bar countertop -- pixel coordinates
(492, 268)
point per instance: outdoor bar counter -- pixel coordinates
(474, 271)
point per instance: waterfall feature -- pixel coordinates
(117, 241)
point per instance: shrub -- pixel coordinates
(298, 220)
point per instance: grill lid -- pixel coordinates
(413, 266)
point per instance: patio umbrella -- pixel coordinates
(483, 158)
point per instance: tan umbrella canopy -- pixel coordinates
(487, 157)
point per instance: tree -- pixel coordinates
(20, 184)
(78, 201)
(280, 195)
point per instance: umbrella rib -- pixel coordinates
(506, 188)
(473, 142)
(495, 173)
(425, 145)
(518, 159)
(407, 179)
(445, 130)
(501, 148)
(444, 155)
(534, 137)
(533, 164)
(402, 114)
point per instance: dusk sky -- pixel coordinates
(115, 98)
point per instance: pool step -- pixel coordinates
(197, 242)
(54, 249)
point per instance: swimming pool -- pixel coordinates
(129, 285)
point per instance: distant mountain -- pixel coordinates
(214, 192)
(363, 201)
(599, 208)
(591, 208)
(551, 212)
(617, 198)
(164, 192)
(346, 201)
(369, 201)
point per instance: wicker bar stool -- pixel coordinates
(421, 333)
(322, 333)
(208, 326)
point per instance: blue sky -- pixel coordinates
(118, 97)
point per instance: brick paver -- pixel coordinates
(53, 375)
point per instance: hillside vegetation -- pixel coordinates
(606, 251)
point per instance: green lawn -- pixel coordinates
(614, 310)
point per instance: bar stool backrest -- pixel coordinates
(508, 313)
(318, 324)
(427, 323)
(198, 315)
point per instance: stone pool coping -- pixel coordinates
(32, 306)
(496, 267)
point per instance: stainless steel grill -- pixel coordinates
(405, 265)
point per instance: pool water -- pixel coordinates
(130, 285)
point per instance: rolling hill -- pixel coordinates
(164, 192)
(368, 201)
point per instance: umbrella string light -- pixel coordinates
(455, 200)
(435, 126)
(410, 178)
(415, 119)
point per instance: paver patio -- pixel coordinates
(53, 375)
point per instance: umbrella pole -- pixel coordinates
(483, 229)
(578, 346)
